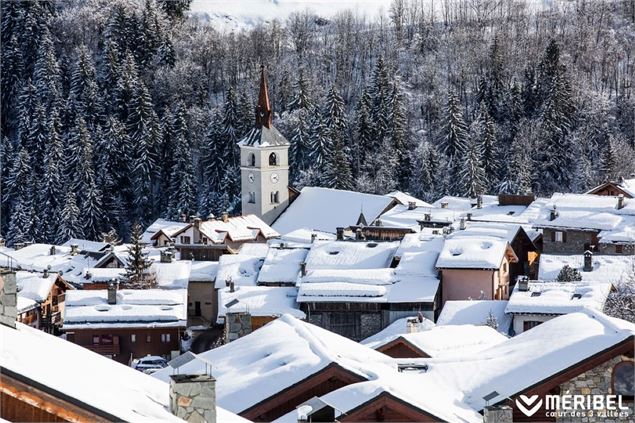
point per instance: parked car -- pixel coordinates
(149, 363)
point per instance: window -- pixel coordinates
(275, 197)
(504, 267)
(530, 324)
(619, 249)
(167, 337)
(559, 236)
(185, 239)
(148, 338)
(252, 160)
(133, 338)
(162, 337)
(95, 339)
(252, 197)
(624, 379)
(273, 159)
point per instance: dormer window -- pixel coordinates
(273, 159)
(252, 159)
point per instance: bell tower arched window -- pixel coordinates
(252, 160)
(273, 159)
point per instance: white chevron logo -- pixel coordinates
(524, 404)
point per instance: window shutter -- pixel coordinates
(564, 237)
(553, 236)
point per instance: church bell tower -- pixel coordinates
(264, 163)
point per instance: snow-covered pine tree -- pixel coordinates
(212, 166)
(454, 144)
(52, 188)
(301, 95)
(182, 188)
(608, 161)
(425, 181)
(569, 274)
(68, 221)
(337, 172)
(320, 145)
(484, 129)
(20, 223)
(380, 93)
(84, 99)
(472, 175)
(46, 73)
(364, 142)
(138, 274)
(621, 301)
(518, 175)
(398, 133)
(299, 149)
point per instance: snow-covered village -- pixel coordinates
(303, 211)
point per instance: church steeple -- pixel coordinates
(263, 108)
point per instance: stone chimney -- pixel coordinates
(588, 261)
(225, 217)
(412, 325)
(45, 273)
(427, 217)
(193, 397)
(52, 250)
(166, 256)
(620, 201)
(469, 216)
(8, 298)
(523, 283)
(412, 205)
(303, 269)
(340, 234)
(497, 414)
(237, 325)
(197, 222)
(313, 238)
(553, 213)
(74, 249)
(462, 224)
(479, 201)
(112, 292)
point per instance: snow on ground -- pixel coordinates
(558, 297)
(612, 269)
(475, 312)
(278, 355)
(259, 301)
(325, 209)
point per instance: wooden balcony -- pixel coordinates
(104, 348)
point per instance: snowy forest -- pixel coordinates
(116, 112)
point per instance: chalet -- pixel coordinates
(476, 312)
(576, 354)
(436, 341)
(349, 287)
(591, 267)
(41, 299)
(208, 240)
(296, 361)
(126, 324)
(535, 302)
(406, 199)
(417, 218)
(475, 267)
(161, 232)
(575, 223)
(202, 298)
(625, 187)
(94, 249)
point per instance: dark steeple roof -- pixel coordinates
(263, 108)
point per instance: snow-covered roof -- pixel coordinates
(418, 255)
(475, 312)
(592, 213)
(263, 137)
(260, 301)
(612, 269)
(326, 209)
(203, 271)
(473, 252)
(255, 249)
(87, 245)
(34, 286)
(282, 265)
(558, 297)
(350, 255)
(506, 231)
(399, 327)
(628, 185)
(529, 358)
(238, 268)
(99, 382)
(301, 238)
(277, 356)
(464, 203)
(442, 341)
(24, 304)
(168, 227)
(401, 216)
(103, 274)
(405, 198)
(173, 275)
(38, 257)
(134, 308)
(237, 228)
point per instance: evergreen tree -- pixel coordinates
(320, 144)
(337, 172)
(399, 137)
(46, 73)
(299, 149)
(52, 190)
(364, 141)
(485, 133)
(182, 184)
(138, 273)
(426, 181)
(454, 144)
(472, 176)
(569, 274)
(302, 96)
(84, 99)
(68, 222)
(608, 162)
(20, 223)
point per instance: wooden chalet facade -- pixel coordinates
(610, 188)
(402, 348)
(386, 407)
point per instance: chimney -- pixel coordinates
(183, 217)
(225, 216)
(166, 256)
(232, 286)
(523, 283)
(197, 222)
(427, 217)
(52, 250)
(497, 414)
(74, 249)
(358, 234)
(444, 204)
(553, 213)
(237, 325)
(45, 273)
(112, 292)
(469, 216)
(378, 222)
(313, 238)
(2, 242)
(303, 269)
(588, 261)
(8, 298)
(193, 397)
(340, 234)
(462, 224)
(412, 325)
(479, 201)
(620, 201)
(412, 205)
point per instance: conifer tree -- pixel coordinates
(337, 172)
(138, 273)
(472, 176)
(486, 135)
(364, 142)
(84, 99)
(182, 187)
(399, 136)
(68, 222)
(608, 162)
(319, 143)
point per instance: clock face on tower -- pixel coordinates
(251, 178)
(275, 178)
